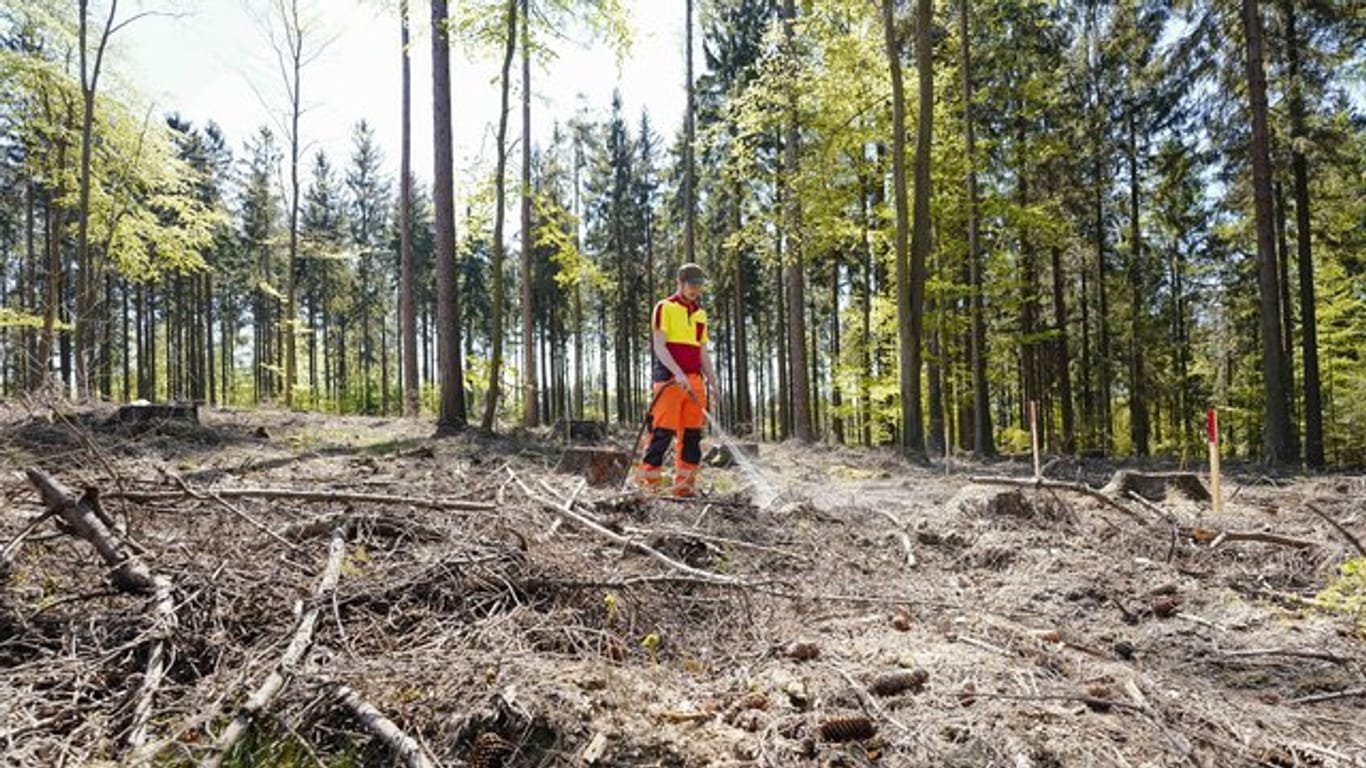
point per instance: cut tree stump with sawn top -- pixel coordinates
(143, 412)
(1154, 486)
(723, 455)
(601, 467)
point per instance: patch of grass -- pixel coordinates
(1346, 594)
(267, 745)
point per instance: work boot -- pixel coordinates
(685, 480)
(650, 478)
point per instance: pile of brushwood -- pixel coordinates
(268, 588)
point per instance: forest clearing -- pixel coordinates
(368, 371)
(494, 612)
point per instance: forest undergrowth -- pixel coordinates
(303, 589)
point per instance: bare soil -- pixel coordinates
(878, 613)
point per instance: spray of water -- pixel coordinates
(764, 495)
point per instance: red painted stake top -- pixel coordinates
(1212, 426)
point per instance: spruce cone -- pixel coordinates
(847, 729)
(898, 682)
(488, 751)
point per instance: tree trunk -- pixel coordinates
(85, 331)
(796, 281)
(866, 311)
(1313, 398)
(449, 364)
(780, 339)
(52, 281)
(1184, 397)
(207, 330)
(744, 410)
(407, 296)
(689, 174)
(836, 395)
(920, 232)
(1287, 310)
(1030, 380)
(28, 290)
(1138, 384)
(910, 384)
(982, 442)
(487, 423)
(127, 390)
(530, 414)
(1103, 351)
(578, 291)
(1061, 358)
(1276, 432)
(290, 324)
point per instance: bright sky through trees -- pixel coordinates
(205, 65)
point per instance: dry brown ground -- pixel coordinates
(1033, 628)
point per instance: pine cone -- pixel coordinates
(847, 729)
(488, 751)
(898, 682)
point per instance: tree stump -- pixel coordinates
(724, 455)
(601, 467)
(581, 431)
(142, 412)
(1154, 486)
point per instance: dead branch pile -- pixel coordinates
(461, 604)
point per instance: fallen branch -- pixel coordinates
(1082, 488)
(1361, 550)
(156, 662)
(899, 534)
(129, 573)
(405, 747)
(1093, 702)
(303, 637)
(18, 539)
(561, 508)
(1153, 507)
(295, 494)
(1320, 655)
(218, 499)
(351, 522)
(723, 540)
(555, 525)
(1347, 694)
(1263, 537)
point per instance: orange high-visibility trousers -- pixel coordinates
(677, 416)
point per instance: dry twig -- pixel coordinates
(1361, 550)
(401, 744)
(303, 636)
(561, 508)
(458, 505)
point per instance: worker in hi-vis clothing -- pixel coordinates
(684, 382)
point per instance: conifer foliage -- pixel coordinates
(918, 217)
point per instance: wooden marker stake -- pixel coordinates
(1034, 437)
(1212, 428)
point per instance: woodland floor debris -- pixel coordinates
(489, 611)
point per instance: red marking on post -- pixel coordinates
(1212, 426)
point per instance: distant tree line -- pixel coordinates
(919, 217)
